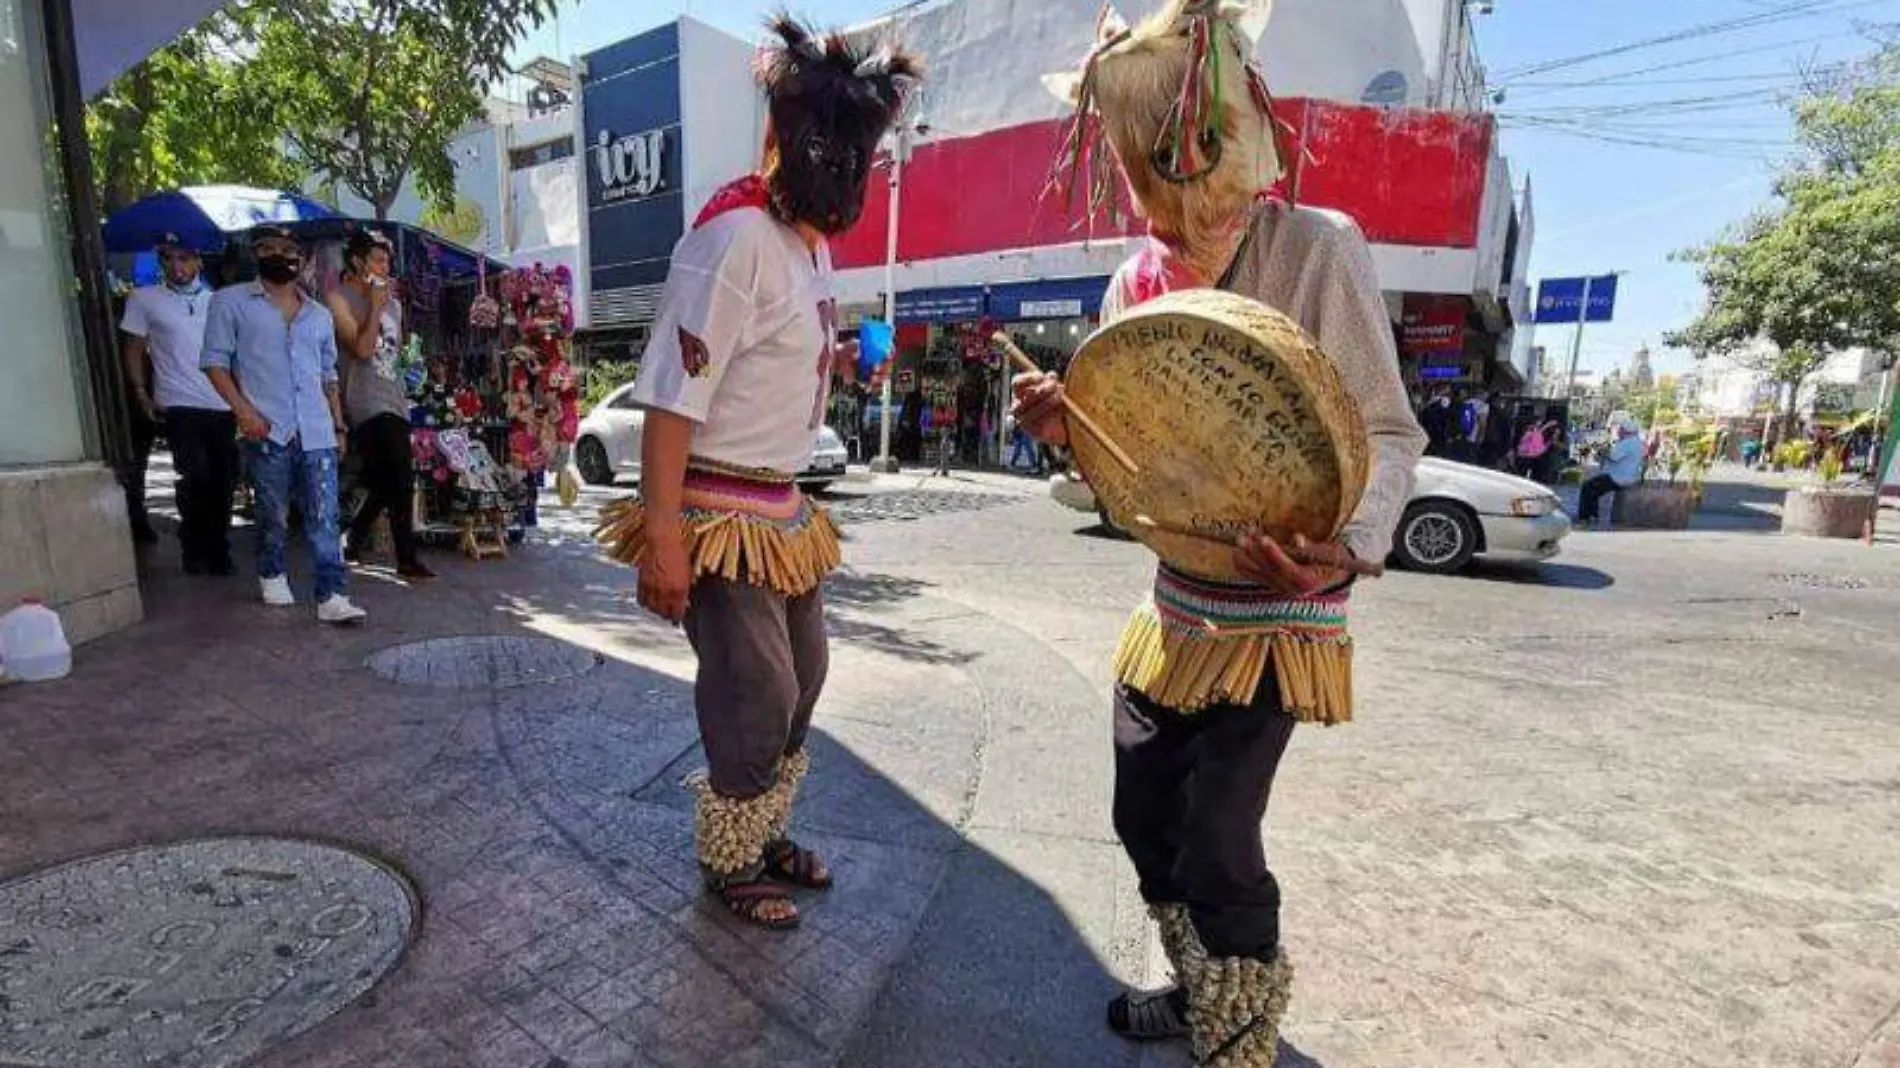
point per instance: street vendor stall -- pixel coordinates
(485, 360)
(494, 399)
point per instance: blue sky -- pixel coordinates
(1706, 110)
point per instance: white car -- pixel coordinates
(609, 445)
(1457, 512)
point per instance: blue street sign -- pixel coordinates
(1560, 300)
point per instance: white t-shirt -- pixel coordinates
(173, 326)
(744, 342)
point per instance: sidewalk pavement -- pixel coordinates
(522, 764)
(1636, 807)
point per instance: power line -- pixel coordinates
(1791, 77)
(1724, 56)
(1801, 10)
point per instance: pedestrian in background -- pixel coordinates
(270, 351)
(375, 400)
(164, 328)
(1622, 469)
(1437, 419)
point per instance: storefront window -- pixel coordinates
(40, 401)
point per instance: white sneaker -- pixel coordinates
(277, 591)
(338, 609)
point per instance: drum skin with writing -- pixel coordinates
(1236, 419)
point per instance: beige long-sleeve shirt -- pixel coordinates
(1314, 266)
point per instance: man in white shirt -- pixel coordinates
(734, 383)
(1622, 469)
(166, 323)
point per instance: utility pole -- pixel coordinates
(1576, 343)
(900, 155)
(900, 149)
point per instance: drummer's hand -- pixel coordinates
(1299, 570)
(666, 577)
(1039, 409)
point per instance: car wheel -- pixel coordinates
(1436, 537)
(591, 457)
(1108, 525)
(814, 487)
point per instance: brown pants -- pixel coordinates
(762, 663)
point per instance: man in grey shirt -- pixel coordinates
(369, 341)
(271, 354)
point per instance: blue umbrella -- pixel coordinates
(205, 216)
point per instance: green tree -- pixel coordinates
(187, 115)
(373, 91)
(1817, 271)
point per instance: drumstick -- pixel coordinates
(1367, 568)
(1028, 366)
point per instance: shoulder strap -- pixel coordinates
(1232, 273)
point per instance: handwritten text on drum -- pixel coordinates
(1240, 446)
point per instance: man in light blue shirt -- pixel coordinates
(270, 352)
(1622, 470)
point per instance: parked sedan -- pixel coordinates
(609, 445)
(1457, 513)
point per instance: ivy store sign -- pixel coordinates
(630, 167)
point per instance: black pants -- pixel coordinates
(1190, 795)
(144, 433)
(1593, 493)
(763, 658)
(205, 454)
(389, 477)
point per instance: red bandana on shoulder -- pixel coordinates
(1152, 271)
(1158, 267)
(746, 192)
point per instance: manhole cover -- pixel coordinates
(192, 955)
(482, 662)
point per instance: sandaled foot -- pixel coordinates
(1155, 1017)
(788, 862)
(763, 903)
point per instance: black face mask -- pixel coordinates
(279, 270)
(821, 180)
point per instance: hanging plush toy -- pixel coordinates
(484, 312)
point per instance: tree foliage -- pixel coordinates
(1817, 271)
(360, 93)
(187, 115)
(373, 91)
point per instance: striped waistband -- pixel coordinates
(712, 487)
(1186, 601)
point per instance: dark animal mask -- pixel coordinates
(830, 103)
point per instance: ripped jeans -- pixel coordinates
(277, 471)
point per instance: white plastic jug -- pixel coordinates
(33, 646)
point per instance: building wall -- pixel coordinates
(478, 157)
(987, 57)
(1304, 52)
(64, 534)
(722, 112)
(968, 198)
(631, 111)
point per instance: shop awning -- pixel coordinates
(204, 216)
(951, 304)
(112, 36)
(1047, 298)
